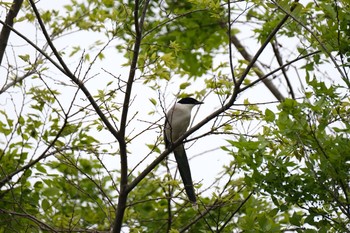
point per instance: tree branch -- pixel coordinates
(233, 213)
(279, 68)
(70, 75)
(229, 44)
(41, 224)
(123, 194)
(274, 45)
(253, 60)
(48, 57)
(5, 31)
(258, 71)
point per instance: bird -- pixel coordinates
(176, 123)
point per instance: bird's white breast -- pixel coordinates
(178, 120)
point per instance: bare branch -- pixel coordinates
(279, 68)
(15, 81)
(229, 44)
(5, 32)
(258, 71)
(234, 212)
(258, 53)
(138, 21)
(280, 63)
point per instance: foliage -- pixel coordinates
(86, 85)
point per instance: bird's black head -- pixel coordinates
(189, 100)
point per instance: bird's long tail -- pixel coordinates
(185, 172)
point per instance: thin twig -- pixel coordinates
(258, 71)
(279, 68)
(230, 44)
(238, 209)
(280, 63)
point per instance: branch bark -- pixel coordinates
(252, 60)
(277, 53)
(258, 71)
(123, 194)
(5, 31)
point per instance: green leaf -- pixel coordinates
(184, 85)
(38, 185)
(269, 115)
(25, 57)
(274, 212)
(108, 3)
(45, 204)
(50, 192)
(153, 101)
(296, 219)
(40, 168)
